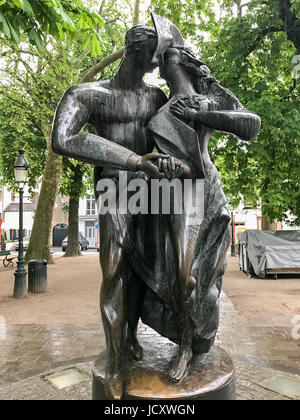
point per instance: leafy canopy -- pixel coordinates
(38, 18)
(249, 51)
(251, 54)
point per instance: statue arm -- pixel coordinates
(222, 111)
(72, 114)
(229, 115)
(241, 123)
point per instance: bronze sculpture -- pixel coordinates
(161, 268)
(197, 107)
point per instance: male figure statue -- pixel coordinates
(120, 110)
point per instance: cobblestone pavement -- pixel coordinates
(271, 347)
(31, 350)
(35, 388)
(258, 353)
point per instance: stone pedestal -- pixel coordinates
(210, 376)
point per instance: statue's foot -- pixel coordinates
(135, 349)
(114, 386)
(179, 367)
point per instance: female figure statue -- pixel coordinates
(182, 128)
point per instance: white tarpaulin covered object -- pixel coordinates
(273, 249)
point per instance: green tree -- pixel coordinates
(16, 134)
(34, 82)
(42, 82)
(250, 52)
(34, 20)
(86, 68)
(76, 181)
(192, 17)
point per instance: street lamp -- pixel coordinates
(233, 254)
(21, 167)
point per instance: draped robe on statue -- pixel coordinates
(209, 235)
(208, 239)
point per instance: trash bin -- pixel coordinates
(37, 276)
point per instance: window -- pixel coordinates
(90, 205)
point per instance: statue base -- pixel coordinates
(210, 376)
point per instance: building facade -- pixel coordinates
(9, 214)
(88, 220)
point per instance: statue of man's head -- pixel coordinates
(141, 43)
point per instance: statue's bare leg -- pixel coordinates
(180, 366)
(136, 290)
(113, 311)
(135, 299)
(185, 330)
(184, 247)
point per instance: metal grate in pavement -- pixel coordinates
(66, 378)
(284, 385)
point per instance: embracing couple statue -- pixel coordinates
(164, 269)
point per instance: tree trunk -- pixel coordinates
(73, 249)
(39, 244)
(136, 13)
(267, 225)
(291, 22)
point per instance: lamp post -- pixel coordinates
(233, 254)
(21, 172)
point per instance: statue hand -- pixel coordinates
(180, 110)
(147, 164)
(159, 166)
(172, 167)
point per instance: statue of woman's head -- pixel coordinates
(183, 57)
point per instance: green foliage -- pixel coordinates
(193, 17)
(76, 180)
(35, 79)
(18, 133)
(249, 50)
(296, 7)
(111, 35)
(33, 84)
(252, 56)
(36, 19)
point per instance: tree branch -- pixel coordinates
(136, 15)
(260, 37)
(82, 56)
(98, 67)
(101, 7)
(28, 52)
(20, 103)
